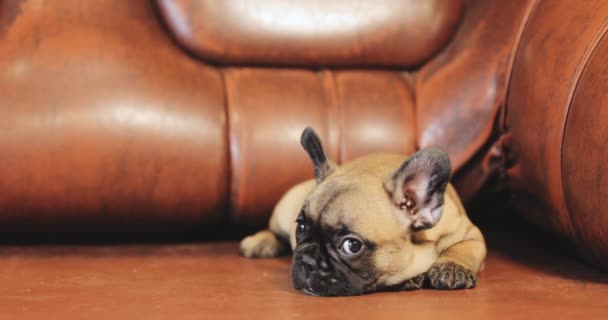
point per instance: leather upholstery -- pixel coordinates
(115, 117)
(268, 108)
(126, 131)
(104, 128)
(460, 92)
(556, 119)
(318, 33)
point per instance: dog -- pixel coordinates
(381, 222)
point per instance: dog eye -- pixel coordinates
(300, 227)
(351, 246)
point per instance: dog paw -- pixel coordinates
(413, 283)
(263, 244)
(450, 276)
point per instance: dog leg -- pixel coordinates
(413, 284)
(457, 267)
(263, 244)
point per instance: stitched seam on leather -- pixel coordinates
(409, 84)
(503, 116)
(580, 68)
(498, 114)
(503, 125)
(232, 193)
(340, 113)
(333, 113)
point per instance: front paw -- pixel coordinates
(414, 283)
(450, 276)
(263, 244)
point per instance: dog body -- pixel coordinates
(381, 222)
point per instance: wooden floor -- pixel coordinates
(522, 280)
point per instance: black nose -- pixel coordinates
(307, 248)
(309, 262)
(307, 253)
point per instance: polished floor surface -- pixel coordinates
(523, 280)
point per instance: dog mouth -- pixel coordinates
(314, 280)
(308, 288)
(313, 288)
(310, 292)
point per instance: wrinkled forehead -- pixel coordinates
(327, 197)
(362, 206)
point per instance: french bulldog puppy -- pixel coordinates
(380, 222)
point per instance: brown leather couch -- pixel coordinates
(183, 116)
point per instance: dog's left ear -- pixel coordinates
(417, 187)
(321, 162)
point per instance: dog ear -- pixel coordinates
(417, 187)
(312, 144)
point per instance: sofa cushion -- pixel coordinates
(355, 112)
(557, 121)
(104, 129)
(313, 33)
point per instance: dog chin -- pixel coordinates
(312, 287)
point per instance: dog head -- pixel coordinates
(356, 232)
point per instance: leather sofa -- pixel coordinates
(149, 120)
(174, 116)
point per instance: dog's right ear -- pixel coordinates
(418, 186)
(312, 144)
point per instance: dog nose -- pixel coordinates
(308, 248)
(309, 261)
